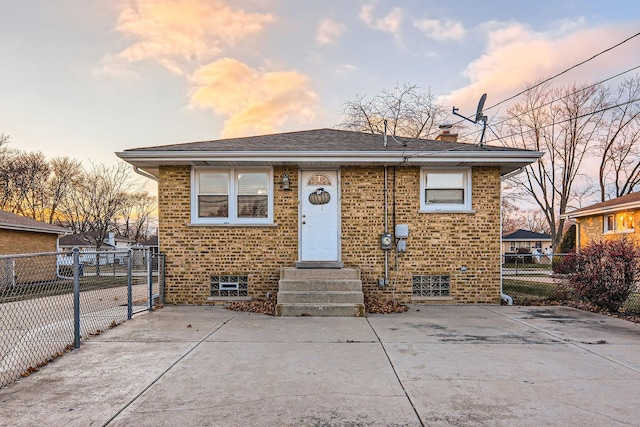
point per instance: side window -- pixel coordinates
(619, 222)
(445, 190)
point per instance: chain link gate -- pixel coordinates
(50, 302)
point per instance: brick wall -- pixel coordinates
(27, 269)
(437, 244)
(591, 229)
(23, 242)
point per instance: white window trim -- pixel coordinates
(232, 219)
(442, 207)
(615, 225)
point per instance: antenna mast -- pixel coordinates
(478, 118)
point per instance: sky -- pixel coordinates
(87, 78)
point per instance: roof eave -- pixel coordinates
(603, 210)
(16, 227)
(150, 161)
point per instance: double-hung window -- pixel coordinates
(445, 190)
(231, 196)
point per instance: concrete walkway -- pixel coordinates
(456, 365)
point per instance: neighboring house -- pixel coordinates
(243, 217)
(87, 242)
(150, 244)
(525, 240)
(21, 235)
(607, 220)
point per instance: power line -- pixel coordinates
(559, 74)
(566, 120)
(565, 71)
(557, 99)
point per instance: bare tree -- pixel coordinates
(561, 122)
(105, 193)
(408, 112)
(135, 216)
(66, 174)
(619, 143)
(24, 178)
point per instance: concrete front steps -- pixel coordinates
(320, 292)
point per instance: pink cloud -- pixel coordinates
(254, 101)
(171, 31)
(516, 55)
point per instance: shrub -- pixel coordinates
(564, 264)
(606, 273)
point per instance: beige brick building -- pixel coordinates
(608, 220)
(21, 235)
(419, 219)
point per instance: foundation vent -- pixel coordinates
(229, 286)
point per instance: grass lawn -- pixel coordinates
(526, 290)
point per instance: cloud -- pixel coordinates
(439, 30)
(181, 35)
(328, 31)
(255, 101)
(174, 31)
(515, 55)
(388, 24)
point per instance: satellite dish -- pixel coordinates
(479, 118)
(480, 107)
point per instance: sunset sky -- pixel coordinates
(88, 78)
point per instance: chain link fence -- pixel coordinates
(50, 302)
(532, 279)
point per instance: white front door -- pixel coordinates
(319, 219)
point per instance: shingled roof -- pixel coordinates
(628, 201)
(11, 221)
(326, 147)
(525, 235)
(321, 140)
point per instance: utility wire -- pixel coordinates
(558, 74)
(563, 72)
(558, 99)
(566, 120)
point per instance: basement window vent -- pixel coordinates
(229, 286)
(431, 286)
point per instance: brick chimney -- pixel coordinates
(446, 135)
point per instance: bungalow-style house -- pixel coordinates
(316, 217)
(607, 220)
(22, 235)
(526, 240)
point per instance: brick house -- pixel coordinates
(414, 220)
(21, 235)
(607, 220)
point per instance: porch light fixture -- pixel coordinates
(285, 182)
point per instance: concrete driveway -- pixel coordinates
(434, 365)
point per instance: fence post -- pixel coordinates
(76, 297)
(150, 278)
(129, 284)
(161, 276)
